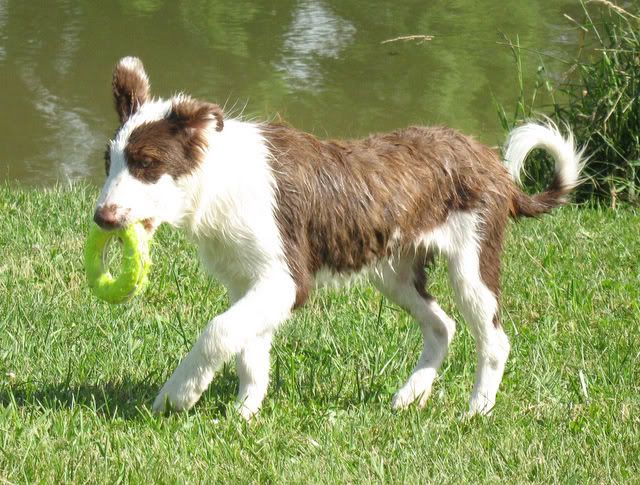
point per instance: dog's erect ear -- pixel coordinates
(130, 86)
(189, 113)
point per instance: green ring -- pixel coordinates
(135, 263)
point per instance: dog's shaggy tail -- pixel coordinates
(568, 165)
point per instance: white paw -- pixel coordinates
(407, 395)
(176, 396)
(247, 412)
(400, 401)
(480, 406)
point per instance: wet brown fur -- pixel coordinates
(340, 202)
(130, 89)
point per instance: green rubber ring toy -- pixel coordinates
(132, 277)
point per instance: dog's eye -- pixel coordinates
(145, 163)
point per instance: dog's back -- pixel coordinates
(347, 205)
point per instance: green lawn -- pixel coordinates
(77, 377)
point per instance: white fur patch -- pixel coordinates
(460, 230)
(525, 138)
(229, 210)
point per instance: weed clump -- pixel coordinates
(600, 100)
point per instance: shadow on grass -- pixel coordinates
(126, 399)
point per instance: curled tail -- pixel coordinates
(568, 164)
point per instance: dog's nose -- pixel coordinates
(106, 218)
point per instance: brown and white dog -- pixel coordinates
(274, 211)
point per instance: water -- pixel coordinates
(319, 64)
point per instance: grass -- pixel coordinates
(77, 376)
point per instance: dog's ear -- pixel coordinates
(192, 114)
(130, 87)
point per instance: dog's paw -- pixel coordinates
(246, 413)
(479, 406)
(407, 395)
(400, 401)
(173, 396)
(247, 410)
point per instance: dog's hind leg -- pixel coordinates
(474, 269)
(404, 284)
(254, 315)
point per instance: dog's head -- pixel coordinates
(158, 146)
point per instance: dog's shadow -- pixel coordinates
(126, 399)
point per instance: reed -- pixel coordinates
(599, 98)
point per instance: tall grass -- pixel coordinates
(599, 99)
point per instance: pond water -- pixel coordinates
(319, 64)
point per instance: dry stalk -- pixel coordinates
(420, 38)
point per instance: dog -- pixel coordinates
(274, 211)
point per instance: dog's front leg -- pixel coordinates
(253, 372)
(253, 317)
